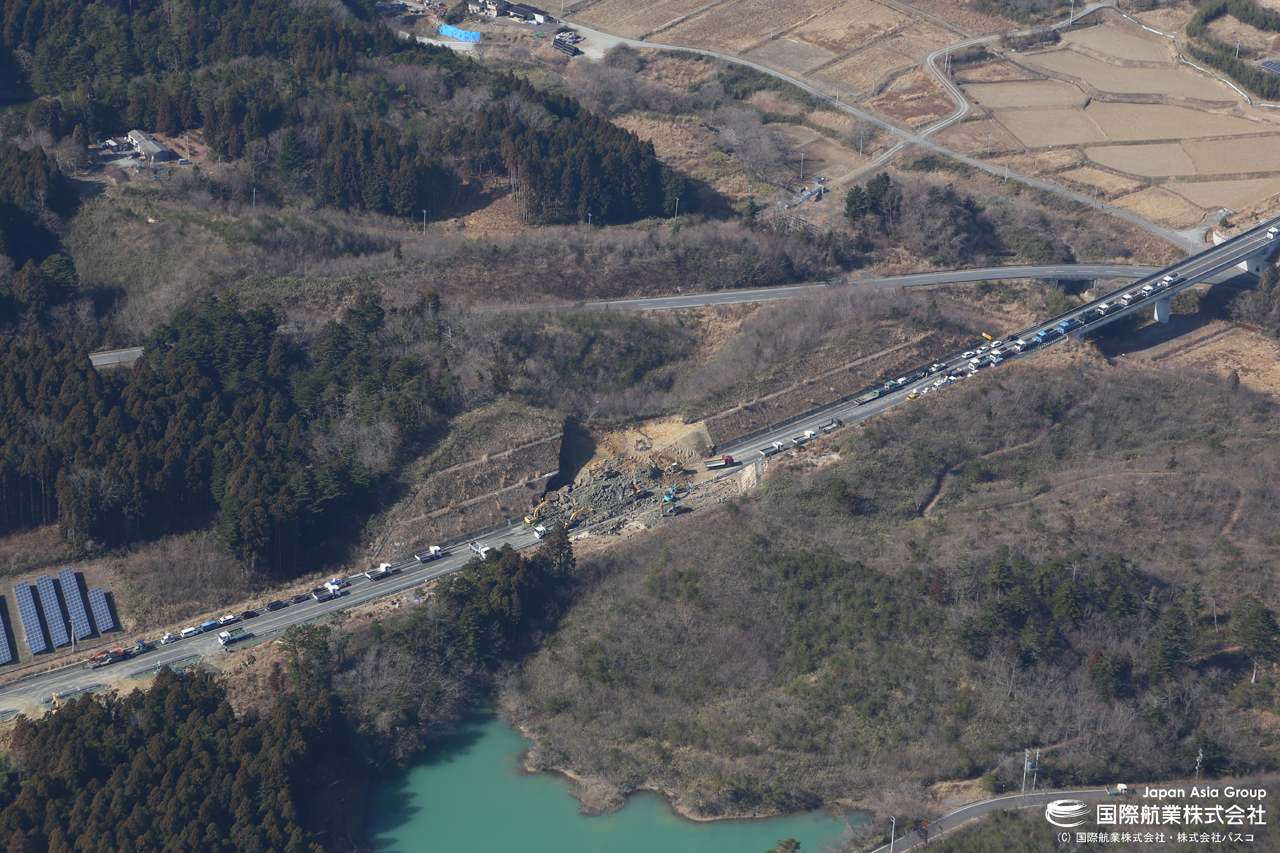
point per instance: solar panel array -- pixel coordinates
(101, 613)
(30, 621)
(52, 612)
(75, 604)
(6, 653)
(1272, 66)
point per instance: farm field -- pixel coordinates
(1234, 156)
(919, 40)
(1159, 160)
(914, 98)
(1108, 185)
(1162, 206)
(995, 71)
(971, 138)
(1168, 82)
(849, 26)
(1051, 126)
(1038, 93)
(792, 56)
(1236, 195)
(872, 65)
(735, 27)
(632, 19)
(1122, 43)
(1134, 122)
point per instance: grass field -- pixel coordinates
(866, 67)
(631, 19)
(973, 138)
(1161, 206)
(1108, 184)
(734, 27)
(1234, 156)
(788, 54)
(849, 26)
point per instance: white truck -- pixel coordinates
(432, 553)
(335, 585)
(235, 635)
(1272, 233)
(774, 448)
(386, 570)
(540, 531)
(482, 551)
(803, 437)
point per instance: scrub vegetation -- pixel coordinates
(1048, 558)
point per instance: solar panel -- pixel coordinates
(75, 604)
(6, 653)
(30, 621)
(52, 612)
(1272, 66)
(101, 613)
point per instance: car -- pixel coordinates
(900, 381)
(981, 350)
(188, 632)
(913, 395)
(229, 619)
(249, 614)
(997, 344)
(298, 599)
(969, 354)
(936, 366)
(996, 359)
(276, 605)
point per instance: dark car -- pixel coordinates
(249, 614)
(276, 605)
(298, 599)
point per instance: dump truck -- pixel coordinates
(834, 423)
(774, 448)
(719, 462)
(428, 555)
(481, 551)
(235, 635)
(385, 570)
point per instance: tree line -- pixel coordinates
(170, 768)
(222, 419)
(1224, 57)
(167, 69)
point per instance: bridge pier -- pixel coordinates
(1164, 307)
(1255, 264)
(1076, 335)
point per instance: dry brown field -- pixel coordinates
(822, 156)
(1134, 81)
(1030, 93)
(674, 71)
(1159, 160)
(839, 122)
(631, 19)
(1254, 358)
(1167, 19)
(995, 71)
(1228, 29)
(1234, 156)
(849, 26)
(915, 98)
(1040, 162)
(970, 138)
(919, 40)
(788, 54)
(772, 102)
(872, 65)
(734, 27)
(1123, 43)
(963, 16)
(1236, 195)
(1110, 186)
(1134, 122)
(1051, 126)
(1161, 206)
(680, 141)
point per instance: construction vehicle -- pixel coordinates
(482, 551)
(671, 509)
(601, 471)
(57, 702)
(580, 511)
(106, 657)
(670, 494)
(537, 510)
(719, 462)
(638, 491)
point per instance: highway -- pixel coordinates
(1216, 261)
(956, 817)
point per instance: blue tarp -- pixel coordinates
(461, 35)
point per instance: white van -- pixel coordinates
(189, 632)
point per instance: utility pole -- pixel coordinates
(1026, 765)
(255, 198)
(677, 216)
(892, 832)
(1237, 48)
(588, 220)
(72, 632)
(802, 165)
(860, 132)
(988, 143)
(1035, 771)
(1199, 758)
(1095, 194)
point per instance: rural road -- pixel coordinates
(964, 814)
(600, 41)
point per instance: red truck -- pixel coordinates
(719, 462)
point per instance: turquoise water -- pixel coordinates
(469, 795)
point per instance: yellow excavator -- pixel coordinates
(537, 511)
(573, 519)
(57, 703)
